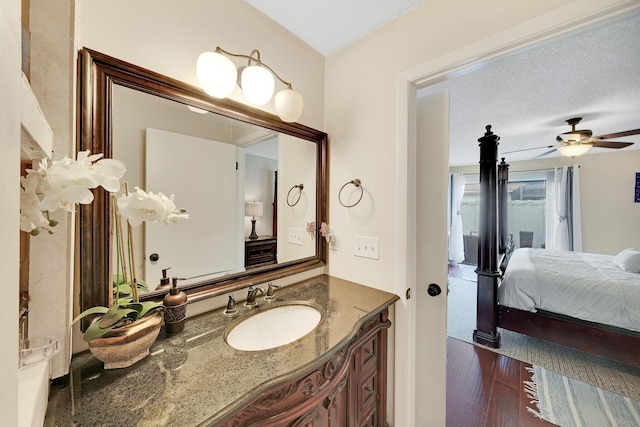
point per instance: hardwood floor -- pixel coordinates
(463, 271)
(485, 389)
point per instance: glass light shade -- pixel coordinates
(257, 84)
(574, 150)
(289, 105)
(216, 74)
(196, 109)
(253, 209)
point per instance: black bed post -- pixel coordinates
(487, 315)
(503, 194)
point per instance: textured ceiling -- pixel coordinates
(527, 96)
(330, 25)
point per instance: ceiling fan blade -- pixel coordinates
(611, 144)
(528, 149)
(546, 153)
(617, 134)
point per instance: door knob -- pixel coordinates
(434, 290)
(154, 257)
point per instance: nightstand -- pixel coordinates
(260, 251)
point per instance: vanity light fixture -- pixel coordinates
(253, 209)
(218, 76)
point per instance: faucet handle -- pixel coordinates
(270, 292)
(231, 306)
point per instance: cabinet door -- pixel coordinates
(337, 406)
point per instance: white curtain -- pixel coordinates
(576, 219)
(567, 226)
(456, 243)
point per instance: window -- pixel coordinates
(526, 209)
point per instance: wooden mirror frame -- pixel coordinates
(97, 73)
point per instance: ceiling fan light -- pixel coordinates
(216, 74)
(574, 150)
(289, 105)
(257, 84)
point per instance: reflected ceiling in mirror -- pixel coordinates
(143, 119)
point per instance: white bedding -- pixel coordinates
(581, 285)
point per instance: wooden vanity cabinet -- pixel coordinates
(348, 390)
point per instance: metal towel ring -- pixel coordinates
(300, 186)
(358, 184)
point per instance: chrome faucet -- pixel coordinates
(251, 295)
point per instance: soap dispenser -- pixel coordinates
(175, 309)
(164, 281)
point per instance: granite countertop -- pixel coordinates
(195, 378)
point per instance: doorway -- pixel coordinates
(430, 74)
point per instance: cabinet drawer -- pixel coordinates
(262, 251)
(367, 355)
(367, 394)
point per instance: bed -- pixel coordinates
(592, 306)
(585, 286)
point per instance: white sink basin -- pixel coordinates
(274, 327)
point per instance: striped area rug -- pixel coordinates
(568, 402)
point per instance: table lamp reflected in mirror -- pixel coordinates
(253, 209)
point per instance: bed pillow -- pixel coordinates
(628, 260)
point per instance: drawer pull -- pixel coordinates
(368, 351)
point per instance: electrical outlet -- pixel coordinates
(366, 247)
(295, 236)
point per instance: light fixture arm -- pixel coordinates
(257, 60)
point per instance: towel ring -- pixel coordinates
(358, 184)
(300, 186)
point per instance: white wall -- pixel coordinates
(610, 218)
(299, 158)
(10, 80)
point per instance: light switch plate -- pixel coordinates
(295, 236)
(366, 247)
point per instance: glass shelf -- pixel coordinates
(38, 349)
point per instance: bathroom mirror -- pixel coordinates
(136, 115)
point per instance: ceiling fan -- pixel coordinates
(576, 142)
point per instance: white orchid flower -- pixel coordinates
(61, 184)
(139, 206)
(31, 217)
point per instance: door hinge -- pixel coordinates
(408, 293)
(236, 165)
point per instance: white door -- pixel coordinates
(202, 175)
(432, 167)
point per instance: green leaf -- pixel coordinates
(123, 288)
(115, 314)
(148, 307)
(143, 308)
(123, 301)
(89, 311)
(142, 285)
(95, 331)
(118, 279)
